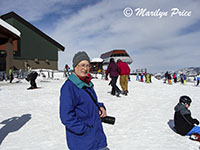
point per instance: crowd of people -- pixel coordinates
(144, 77)
(168, 77)
(182, 78)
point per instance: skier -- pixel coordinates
(184, 123)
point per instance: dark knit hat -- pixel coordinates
(78, 57)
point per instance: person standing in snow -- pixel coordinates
(11, 76)
(124, 75)
(184, 123)
(78, 112)
(198, 79)
(66, 71)
(182, 78)
(169, 79)
(150, 78)
(147, 78)
(175, 77)
(137, 77)
(166, 76)
(142, 77)
(114, 72)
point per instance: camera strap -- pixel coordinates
(107, 119)
(93, 99)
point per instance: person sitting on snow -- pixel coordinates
(184, 123)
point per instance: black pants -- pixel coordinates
(197, 82)
(11, 78)
(182, 81)
(114, 86)
(33, 78)
(175, 80)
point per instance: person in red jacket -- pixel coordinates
(124, 73)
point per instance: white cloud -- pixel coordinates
(35, 10)
(153, 43)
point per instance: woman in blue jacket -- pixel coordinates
(78, 112)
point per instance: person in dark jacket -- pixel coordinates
(184, 123)
(78, 112)
(114, 72)
(182, 78)
(169, 79)
(166, 76)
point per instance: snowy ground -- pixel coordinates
(29, 119)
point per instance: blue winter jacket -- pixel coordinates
(80, 116)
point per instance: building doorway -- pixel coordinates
(2, 61)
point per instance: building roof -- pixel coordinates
(114, 52)
(7, 31)
(5, 27)
(29, 25)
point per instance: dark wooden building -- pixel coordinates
(34, 48)
(8, 35)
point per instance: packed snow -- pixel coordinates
(96, 60)
(29, 119)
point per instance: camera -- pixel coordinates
(108, 119)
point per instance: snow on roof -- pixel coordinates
(9, 27)
(96, 60)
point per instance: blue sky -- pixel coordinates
(98, 26)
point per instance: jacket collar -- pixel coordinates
(80, 84)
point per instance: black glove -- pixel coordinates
(196, 121)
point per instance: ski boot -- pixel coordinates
(195, 137)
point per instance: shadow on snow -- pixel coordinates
(171, 125)
(12, 125)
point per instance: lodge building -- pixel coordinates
(33, 48)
